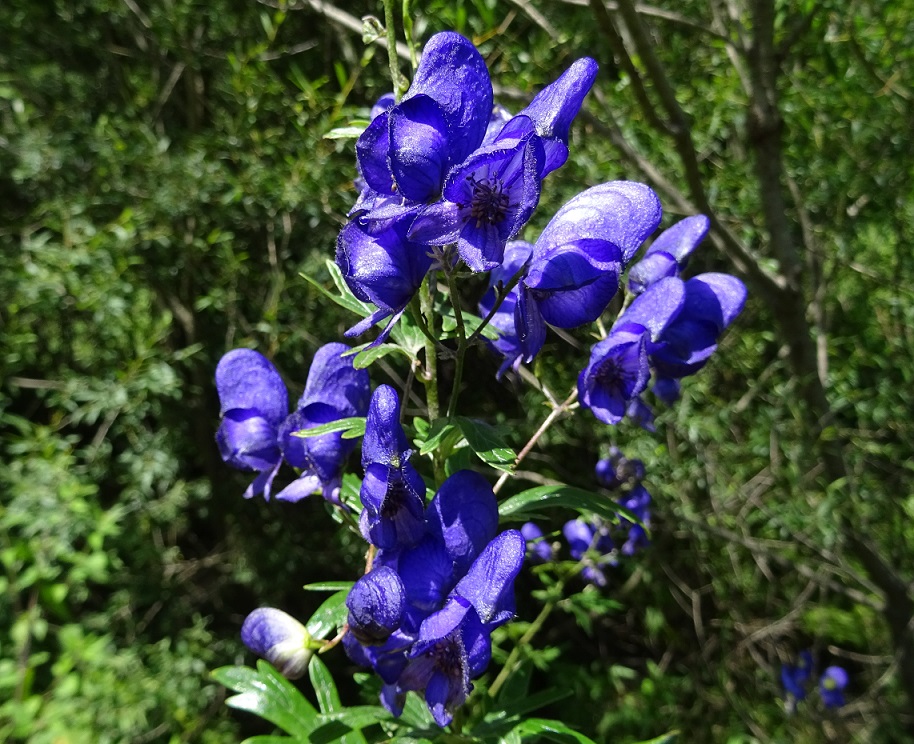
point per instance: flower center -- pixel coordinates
(613, 375)
(489, 202)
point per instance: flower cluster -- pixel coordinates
(592, 541)
(257, 431)
(670, 329)
(442, 577)
(795, 678)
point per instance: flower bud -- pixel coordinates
(280, 639)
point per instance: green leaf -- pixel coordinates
(667, 738)
(552, 730)
(367, 356)
(268, 740)
(353, 131)
(329, 616)
(351, 428)
(531, 502)
(329, 701)
(266, 693)
(344, 723)
(328, 586)
(487, 443)
(345, 298)
(438, 432)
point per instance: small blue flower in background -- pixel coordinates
(638, 503)
(280, 639)
(795, 676)
(517, 253)
(590, 542)
(539, 549)
(831, 686)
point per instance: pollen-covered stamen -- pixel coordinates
(489, 202)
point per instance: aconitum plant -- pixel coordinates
(447, 181)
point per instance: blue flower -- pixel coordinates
(376, 604)
(668, 254)
(711, 303)
(392, 493)
(538, 548)
(254, 402)
(382, 266)
(637, 502)
(577, 259)
(488, 198)
(795, 676)
(334, 390)
(280, 639)
(409, 148)
(590, 543)
(831, 686)
(517, 253)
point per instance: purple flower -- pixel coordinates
(711, 303)
(280, 639)
(441, 119)
(334, 390)
(517, 253)
(831, 686)
(254, 403)
(668, 254)
(618, 371)
(586, 542)
(638, 502)
(392, 493)
(382, 266)
(576, 263)
(554, 108)
(539, 549)
(795, 676)
(487, 199)
(376, 603)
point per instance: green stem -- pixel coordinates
(392, 47)
(430, 377)
(500, 297)
(461, 343)
(524, 641)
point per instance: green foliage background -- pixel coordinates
(164, 178)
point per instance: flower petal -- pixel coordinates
(247, 379)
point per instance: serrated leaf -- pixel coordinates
(487, 443)
(328, 586)
(416, 712)
(339, 725)
(329, 701)
(351, 427)
(531, 502)
(329, 616)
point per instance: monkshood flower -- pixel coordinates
(668, 254)
(619, 367)
(617, 470)
(590, 542)
(409, 148)
(256, 428)
(254, 403)
(334, 390)
(638, 502)
(488, 198)
(517, 253)
(280, 639)
(711, 303)
(578, 258)
(831, 686)
(376, 603)
(382, 266)
(795, 676)
(539, 549)
(555, 107)
(392, 493)
(456, 585)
